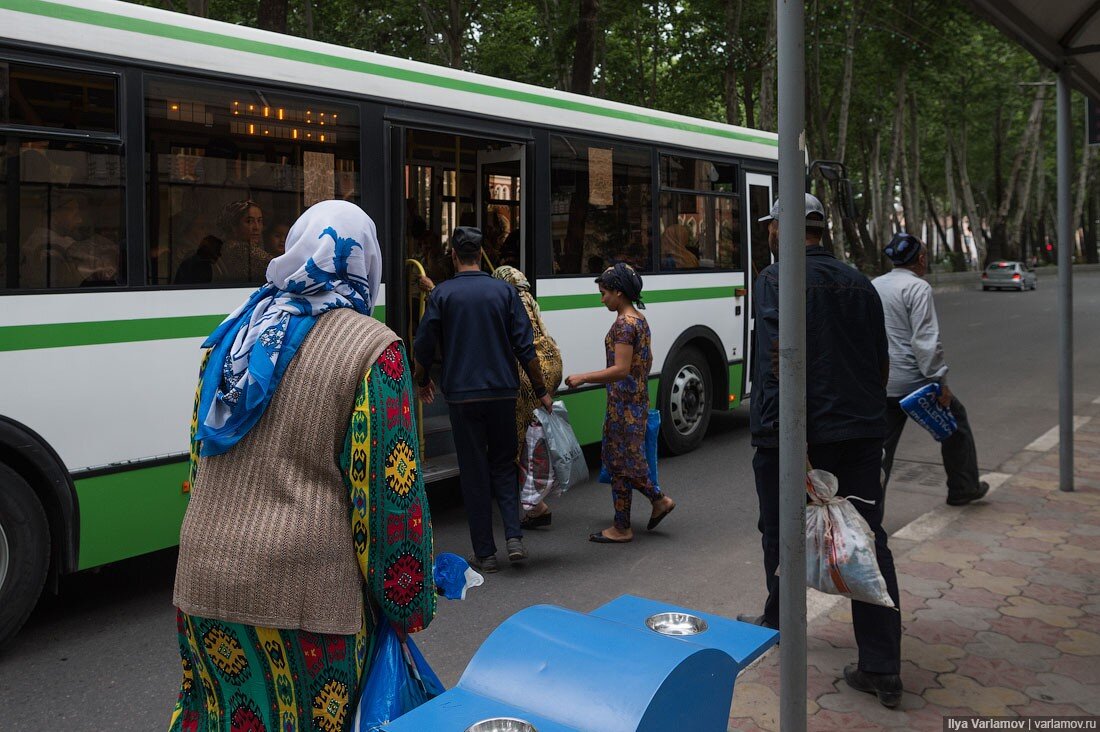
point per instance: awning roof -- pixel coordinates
(1055, 32)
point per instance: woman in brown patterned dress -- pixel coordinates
(629, 361)
(549, 361)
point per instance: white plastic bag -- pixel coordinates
(840, 546)
(566, 457)
(536, 473)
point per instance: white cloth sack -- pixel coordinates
(566, 456)
(840, 546)
(536, 473)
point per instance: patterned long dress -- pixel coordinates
(627, 411)
(549, 361)
(243, 678)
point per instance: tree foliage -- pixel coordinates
(937, 117)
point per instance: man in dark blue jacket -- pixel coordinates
(847, 366)
(478, 328)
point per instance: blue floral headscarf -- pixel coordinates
(332, 260)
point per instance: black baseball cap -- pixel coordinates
(466, 239)
(903, 248)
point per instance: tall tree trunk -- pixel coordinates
(914, 214)
(271, 15)
(1091, 254)
(729, 75)
(1014, 242)
(887, 184)
(846, 81)
(956, 242)
(748, 87)
(976, 229)
(584, 59)
(309, 18)
(767, 76)
(198, 7)
(451, 28)
(1082, 190)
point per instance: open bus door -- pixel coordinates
(448, 180)
(761, 193)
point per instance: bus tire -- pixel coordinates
(685, 395)
(24, 551)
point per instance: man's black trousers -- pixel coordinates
(856, 464)
(485, 440)
(960, 457)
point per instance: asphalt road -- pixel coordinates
(102, 655)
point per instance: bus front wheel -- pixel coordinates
(685, 397)
(24, 551)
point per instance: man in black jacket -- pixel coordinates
(847, 366)
(480, 329)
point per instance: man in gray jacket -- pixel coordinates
(916, 359)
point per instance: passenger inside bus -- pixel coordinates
(675, 248)
(65, 251)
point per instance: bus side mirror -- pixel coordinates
(846, 199)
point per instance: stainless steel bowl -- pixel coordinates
(502, 724)
(676, 624)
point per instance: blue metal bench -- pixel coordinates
(606, 671)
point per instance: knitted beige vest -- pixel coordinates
(267, 537)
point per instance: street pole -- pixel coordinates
(1065, 287)
(790, 36)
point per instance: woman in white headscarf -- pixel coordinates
(302, 416)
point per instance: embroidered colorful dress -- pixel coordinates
(627, 411)
(244, 678)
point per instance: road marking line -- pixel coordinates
(1050, 438)
(925, 527)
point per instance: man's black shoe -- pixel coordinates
(964, 498)
(756, 620)
(887, 687)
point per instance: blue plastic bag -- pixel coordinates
(399, 680)
(652, 429)
(924, 408)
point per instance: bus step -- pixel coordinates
(439, 467)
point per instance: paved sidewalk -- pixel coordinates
(1000, 610)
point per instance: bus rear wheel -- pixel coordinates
(685, 397)
(24, 551)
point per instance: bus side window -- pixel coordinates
(700, 215)
(600, 205)
(61, 213)
(231, 168)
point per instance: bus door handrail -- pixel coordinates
(417, 301)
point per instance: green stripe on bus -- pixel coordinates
(60, 335)
(127, 514)
(581, 302)
(94, 333)
(207, 38)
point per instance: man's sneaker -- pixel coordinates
(516, 551)
(887, 687)
(486, 565)
(964, 498)
(756, 620)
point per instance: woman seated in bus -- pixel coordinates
(308, 523)
(549, 357)
(675, 252)
(243, 259)
(629, 360)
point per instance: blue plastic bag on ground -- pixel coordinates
(399, 680)
(924, 408)
(652, 429)
(566, 457)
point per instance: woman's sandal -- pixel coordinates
(601, 538)
(657, 519)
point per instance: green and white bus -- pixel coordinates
(145, 155)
